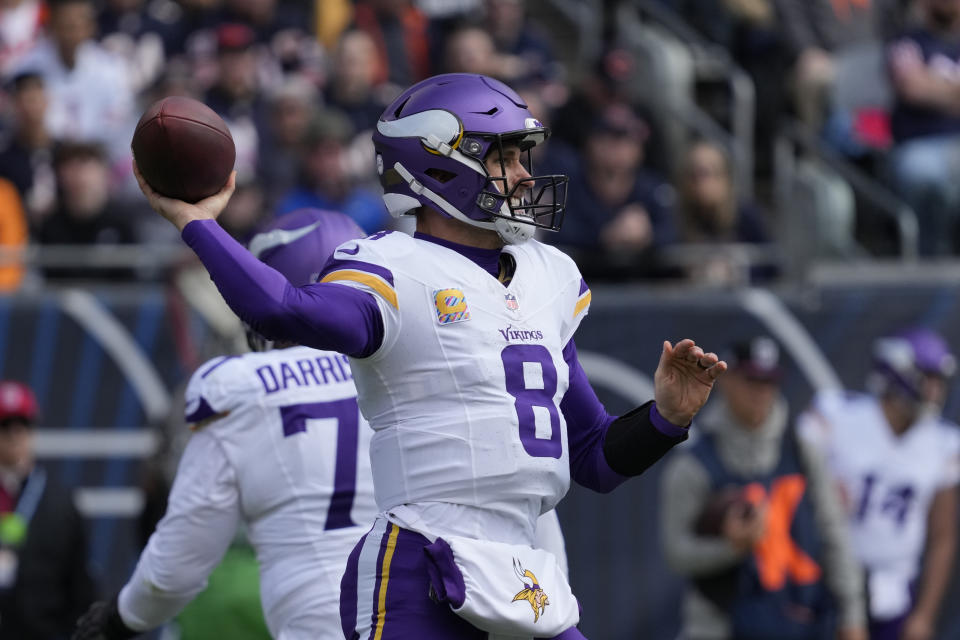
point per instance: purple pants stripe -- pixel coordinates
(402, 608)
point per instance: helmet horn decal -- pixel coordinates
(439, 130)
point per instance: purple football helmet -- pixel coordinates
(298, 245)
(431, 143)
(902, 360)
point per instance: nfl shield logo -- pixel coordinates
(511, 302)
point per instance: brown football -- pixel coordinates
(183, 149)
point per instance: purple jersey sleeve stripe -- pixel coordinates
(583, 287)
(587, 424)
(215, 365)
(356, 265)
(664, 426)
(201, 413)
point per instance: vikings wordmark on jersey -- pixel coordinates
(494, 439)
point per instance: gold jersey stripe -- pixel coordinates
(582, 304)
(375, 283)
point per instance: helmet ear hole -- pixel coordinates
(399, 109)
(440, 175)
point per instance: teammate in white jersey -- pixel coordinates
(461, 341)
(278, 445)
(897, 463)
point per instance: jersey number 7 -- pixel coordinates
(345, 412)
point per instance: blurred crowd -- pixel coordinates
(301, 84)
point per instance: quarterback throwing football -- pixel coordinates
(461, 342)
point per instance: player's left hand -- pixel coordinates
(683, 380)
(102, 621)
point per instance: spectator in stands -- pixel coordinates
(91, 99)
(268, 18)
(925, 68)
(750, 31)
(526, 49)
(292, 106)
(710, 211)
(44, 583)
(237, 96)
(399, 31)
(86, 215)
(613, 81)
(13, 236)
(245, 212)
(196, 20)
(816, 31)
(615, 204)
(470, 49)
(325, 181)
(136, 30)
(750, 517)
(21, 26)
(352, 88)
(27, 158)
(281, 30)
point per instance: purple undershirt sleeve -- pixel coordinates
(323, 316)
(587, 424)
(666, 427)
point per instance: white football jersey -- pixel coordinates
(281, 445)
(887, 481)
(464, 392)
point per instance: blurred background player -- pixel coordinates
(44, 581)
(750, 517)
(433, 388)
(897, 465)
(279, 446)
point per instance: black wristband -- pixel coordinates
(633, 442)
(113, 625)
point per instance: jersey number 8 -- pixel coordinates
(532, 381)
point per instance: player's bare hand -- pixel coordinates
(683, 380)
(181, 213)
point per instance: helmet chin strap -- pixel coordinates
(510, 232)
(513, 232)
